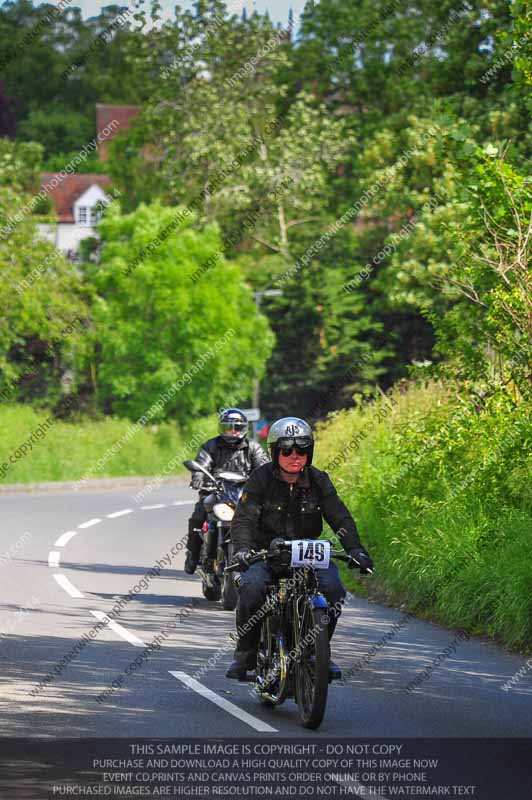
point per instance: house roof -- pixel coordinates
(106, 114)
(69, 188)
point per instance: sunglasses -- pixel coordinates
(301, 446)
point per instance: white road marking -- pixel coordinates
(121, 513)
(64, 538)
(149, 508)
(125, 634)
(53, 558)
(69, 588)
(183, 502)
(242, 715)
(90, 523)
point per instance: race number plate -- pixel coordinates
(311, 552)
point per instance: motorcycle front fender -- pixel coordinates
(317, 600)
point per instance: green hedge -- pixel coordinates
(441, 491)
(71, 450)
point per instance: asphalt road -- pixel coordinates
(67, 558)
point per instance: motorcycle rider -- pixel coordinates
(231, 450)
(287, 498)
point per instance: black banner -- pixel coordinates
(303, 767)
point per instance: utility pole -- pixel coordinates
(259, 294)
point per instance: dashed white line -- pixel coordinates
(90, 523)
(121, 513)
(69, 588)
(242, 715)
(53, 561)
(64, 538)
(125, 634)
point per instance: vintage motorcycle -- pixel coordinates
(293, 651)
(222, 494)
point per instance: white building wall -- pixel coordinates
(90, 198)
(65, 235)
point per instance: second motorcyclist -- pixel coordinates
(231, 450)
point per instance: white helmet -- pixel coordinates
(290, 432)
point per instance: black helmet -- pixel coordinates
(232, 425)
(290, 431)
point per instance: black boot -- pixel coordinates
(193, 548)
(335, 673)
(244, 660)
(191, 563)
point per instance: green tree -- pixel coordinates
(41, 296)
(57, 130)
(522, 47)
(462, 255)
(39, 44)
(154, 322)
(381, 60)
(222, 134)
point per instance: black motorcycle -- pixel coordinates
(293, 652)
(222, 494)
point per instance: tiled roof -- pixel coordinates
(106, 114)
(68, 189)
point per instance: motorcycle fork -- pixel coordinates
(300, 604)
(223, 542)
(225, 545)
(283, 619)
(274, 664)
(211, 541)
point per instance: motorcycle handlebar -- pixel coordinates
(265, 555)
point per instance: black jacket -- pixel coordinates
(270, 507)
(216, 455)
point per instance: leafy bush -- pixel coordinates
(438, 487)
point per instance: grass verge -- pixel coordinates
(441, 491)
(36, 447)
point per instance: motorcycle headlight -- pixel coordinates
(224, 512)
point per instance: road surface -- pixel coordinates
(67, 558)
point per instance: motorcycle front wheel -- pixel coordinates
(312, 668)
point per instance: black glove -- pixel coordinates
(360, 555)
(196, 480)
(241, 558)
(275, 546)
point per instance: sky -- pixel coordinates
(278, 9)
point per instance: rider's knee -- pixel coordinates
(334, 593)
(252, 590)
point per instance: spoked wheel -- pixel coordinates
(229, 594)
(269, 683)
(312, 668)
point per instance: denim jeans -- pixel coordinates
(252, 594)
